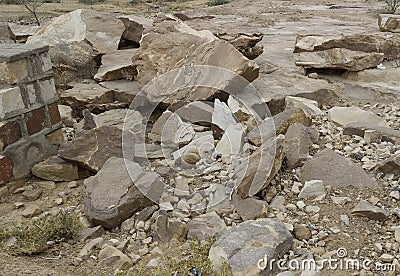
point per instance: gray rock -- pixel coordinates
(250, 208)
(297, 144)
(109, 205)
(256, 172)
(90, 246)
(312, 188)
(365, 209)
(380, 133)
(92, 149)
(167, 228)
(348, 115)
(110, 256)
(391, 165)
(269, 238)
(308, 106)
(301, 232)
(389, 23)
(31, 211)
(91, 233)
(117, 65)
(336, 171)
(134, 27)
(222, 116)
(196, 112)
(55, 169)
(205, 225)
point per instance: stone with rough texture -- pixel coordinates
(6, 169)
(257, 171)
(118, 190)
(110, 256)
(247, 44)
(348, 115)
(389, 23)
(134, 27)
(92, 149)
(250, 208)
(313, 188)
(391, 166)
(380, 132)
(231, 142)
(222, 116)
(296, 145)
(205, 225)
(336, 171)
(307, 105)
(31, 211)
(366, 209)
(242, 246)
(55, 169)
(196, 112)
(76, 38)
(339, 58)
(372, 42)
(176, 45)
(117, 65)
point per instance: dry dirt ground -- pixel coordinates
(259, 15)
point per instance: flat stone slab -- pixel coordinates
(336, 171)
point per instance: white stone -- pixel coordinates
(222, 115)
(10, 100)
(232, 141)
(313, 188)
(308, 106)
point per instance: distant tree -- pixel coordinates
(32, 6)
(392, 5)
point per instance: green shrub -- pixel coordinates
(199, 259)
(33, 236)
(217, 2)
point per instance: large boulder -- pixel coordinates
(94, 147)
(243, 246)
(117, 65)
(76, 39)
(173, 45)
(336, 171)
(389, 46)
(118, 190)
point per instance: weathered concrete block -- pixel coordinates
(56, 137)
(10, 101)
(45, 62)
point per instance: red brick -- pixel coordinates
(35, 120)
(10, 132)
(56, 137)
(54, 114)
(6, 169)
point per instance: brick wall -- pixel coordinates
(30, 123)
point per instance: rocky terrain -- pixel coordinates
(272, 127)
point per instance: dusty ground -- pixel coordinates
(279, 21)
